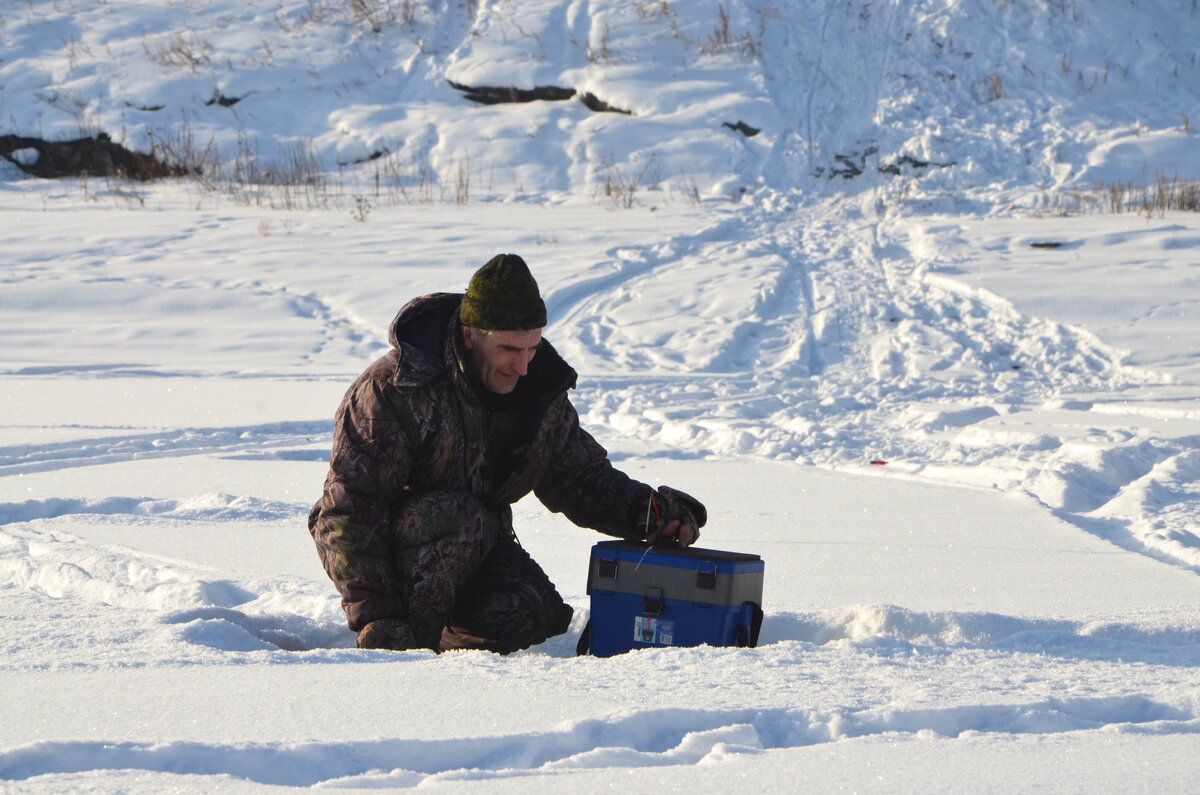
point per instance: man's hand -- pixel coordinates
(676, 532)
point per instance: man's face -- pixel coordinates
(500, 358)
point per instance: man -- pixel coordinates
(432, 445)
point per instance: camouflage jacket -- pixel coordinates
(413, 424)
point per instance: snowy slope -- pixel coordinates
(970, 463)
(1034, 94)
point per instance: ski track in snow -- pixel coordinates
(207, 608)
(283, 440)
(229, 622)
(839, 345)
(643, 739)
(331, 330)
(210, 610)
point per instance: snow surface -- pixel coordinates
(1006, 599)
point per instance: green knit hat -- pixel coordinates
(503, 296)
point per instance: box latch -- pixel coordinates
(706, 580)
(652, 603)
(606, 569)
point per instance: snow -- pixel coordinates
(953, 408)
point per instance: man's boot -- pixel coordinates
(387, 633)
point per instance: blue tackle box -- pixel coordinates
(645, 598)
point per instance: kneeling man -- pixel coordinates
(465, 415)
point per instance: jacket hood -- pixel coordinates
(422, 322)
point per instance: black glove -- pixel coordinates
(664, 506)
(674, 504)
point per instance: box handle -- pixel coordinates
(606, 569)
(747, 636)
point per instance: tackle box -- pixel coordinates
(646, 597)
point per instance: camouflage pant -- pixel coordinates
(468, 583)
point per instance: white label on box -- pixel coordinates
(651, 630)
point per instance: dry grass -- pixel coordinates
(620, 189)
(1155, 198)
(995, 87)
(722, 38)
(181, 51)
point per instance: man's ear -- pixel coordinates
(468, 338)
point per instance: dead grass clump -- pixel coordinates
(1164, 194)
(1155, 198)
(181, 51)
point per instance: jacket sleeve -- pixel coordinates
(351, 524)
(582, 483)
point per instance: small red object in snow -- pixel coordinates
(879, 462)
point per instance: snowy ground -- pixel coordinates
(167, 622)
(1006, 599)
